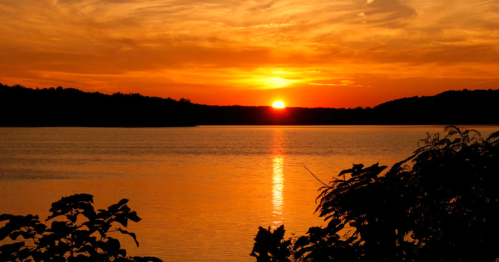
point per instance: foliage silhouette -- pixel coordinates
(77, 233)
(439, 204)
(270, 246)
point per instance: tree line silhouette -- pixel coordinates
(21, 106)
(71, 107)
(439, 204)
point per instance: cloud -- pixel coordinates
(227, 42)
(342, 83)
(313, 71)
(391, 13)
(271, 25)
(347, 82)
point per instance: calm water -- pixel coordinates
(202, 192)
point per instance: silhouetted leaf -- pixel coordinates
(11, 248)
(88, 211)
(113, 247)
(5, 232)
(121, 219)
(15, 235)
(346, 171)
(4, 217)
(115, 207)
(130, 234)
(133, 216)
(491, 137)
(451, 130)
(147, 259)
(40, 228)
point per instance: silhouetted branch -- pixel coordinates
(314, 175)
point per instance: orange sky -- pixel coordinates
(323, 53)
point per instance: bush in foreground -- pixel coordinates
(77, 233)
(439, 204)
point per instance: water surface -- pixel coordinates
(202, 192)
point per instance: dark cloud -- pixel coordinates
(390, 13)
(262, 6)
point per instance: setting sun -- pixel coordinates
(278, 104)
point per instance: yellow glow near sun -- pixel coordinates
(278, 104)
(276, 82)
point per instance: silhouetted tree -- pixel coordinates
(439, 204)
(270, 246)
(77, 233)
(184, 100)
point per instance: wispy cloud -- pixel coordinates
(341, 83)
(271, 25)
(174, 42)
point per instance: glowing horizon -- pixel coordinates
(278, 104)
(322, 54)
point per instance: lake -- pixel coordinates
(202, 192)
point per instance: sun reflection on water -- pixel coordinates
(278, 176)
(277, 184)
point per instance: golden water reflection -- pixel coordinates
(278, 175)
(277, 184)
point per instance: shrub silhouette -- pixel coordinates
(270, 246)
(77, 233)
(439, 204)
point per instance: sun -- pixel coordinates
(278, 104)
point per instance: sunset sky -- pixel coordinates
(307, 53)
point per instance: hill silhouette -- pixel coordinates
(460, 107)
(21, 106)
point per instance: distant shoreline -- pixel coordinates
(257, 126)
(69, 107)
